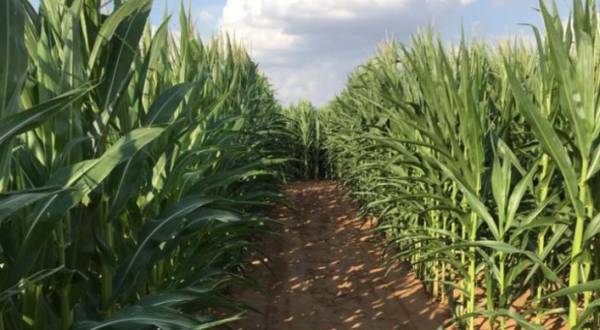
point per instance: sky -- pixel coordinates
(308, 47)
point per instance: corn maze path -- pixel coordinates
(328, 273)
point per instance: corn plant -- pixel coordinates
(306, 141)
(480, 164)
(135, 168)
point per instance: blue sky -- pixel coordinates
(308, 47)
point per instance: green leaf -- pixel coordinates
(22, 122)
(584, 287)
(123, 47)
(163, 109)
(15, 201)
(152, 233)
(13, 54)
(594, 164)
(548, 139)
(592, 229)
(149, 316)
(471, 197)
(576, 96)
(519, 319)
(197, 219)
(84, 176)
(128, 27)
(517, 196)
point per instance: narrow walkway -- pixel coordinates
(328, 273)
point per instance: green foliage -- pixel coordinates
(480, 163)
(305, 141)
(135, 167)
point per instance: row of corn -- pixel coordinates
(304, 142)
(480, 162)
(135, 164)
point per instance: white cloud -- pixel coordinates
(307, 47)
(205, 15)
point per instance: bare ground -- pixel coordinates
(328, 273)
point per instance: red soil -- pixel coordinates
(328, 273)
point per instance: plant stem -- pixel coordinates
(472, 270)
(577, 248)
(107, 271)
(65, 310)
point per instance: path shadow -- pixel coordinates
(328, 273)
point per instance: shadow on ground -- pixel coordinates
(329, 274)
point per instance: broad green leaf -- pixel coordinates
(548, 138)
(584, 287)
(24, 121)
(472, 199)
(13, 54)
(517, 196)
(153, 233)
(163, 109)
(15, 201)
(85, 177)
(592, 229)
(137, 316)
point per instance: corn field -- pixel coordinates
(136, 164)
(480, 163)
(304, 140)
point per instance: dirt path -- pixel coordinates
(328, 273)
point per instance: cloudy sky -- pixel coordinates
(308, 47)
